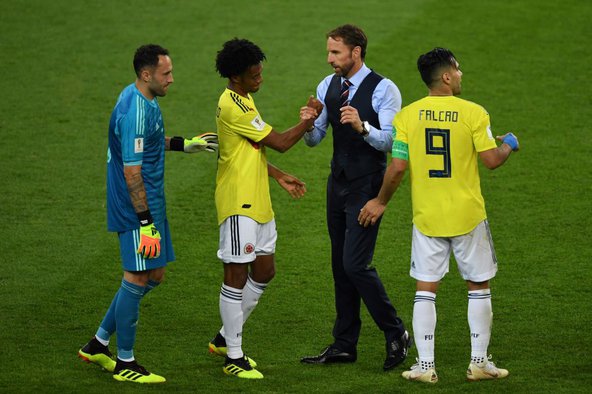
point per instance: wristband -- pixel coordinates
(145, 217)
(177, 144)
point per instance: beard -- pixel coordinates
(344, 69)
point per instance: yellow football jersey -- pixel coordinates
(242, 185)
(443, 135)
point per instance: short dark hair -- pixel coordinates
(147, 56)
(430, 64)
(236, 56)
(352, 36)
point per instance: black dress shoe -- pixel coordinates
(330, 355)
(396, 351)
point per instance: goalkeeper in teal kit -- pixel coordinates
(136, 207)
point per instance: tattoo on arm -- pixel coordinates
(135, 187)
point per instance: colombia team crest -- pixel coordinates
(249, 248)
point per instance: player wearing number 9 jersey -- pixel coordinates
(443, 135)
(439, 138)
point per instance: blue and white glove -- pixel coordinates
(512, 141)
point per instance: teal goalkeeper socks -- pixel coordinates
(150, 285)
(127, 311)
(107, 327)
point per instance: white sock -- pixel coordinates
(232, 319)
(424, 326)
(480, 317)
(251, 294)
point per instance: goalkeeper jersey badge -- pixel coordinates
(139, 145)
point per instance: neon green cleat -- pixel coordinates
(240, 367)
(133, 372)
(217, 346)
(485, 371)
(97, 353)
(418, 375)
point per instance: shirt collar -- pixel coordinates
(358, 77)
(150, 102)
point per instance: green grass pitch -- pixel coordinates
(63, 65)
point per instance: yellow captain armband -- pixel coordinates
(400, 150)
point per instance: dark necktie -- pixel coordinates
(343, 98)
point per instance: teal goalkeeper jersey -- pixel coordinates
(136, 137)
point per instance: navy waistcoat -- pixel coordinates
(352, 156)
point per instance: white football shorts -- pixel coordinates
(473, 252)
(242, 239)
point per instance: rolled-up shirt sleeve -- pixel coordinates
(386, 101)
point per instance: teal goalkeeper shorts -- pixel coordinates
(132, 261)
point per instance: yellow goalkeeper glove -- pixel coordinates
(149, 241)
(194, 145)
(204, 142)
(212, 141)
